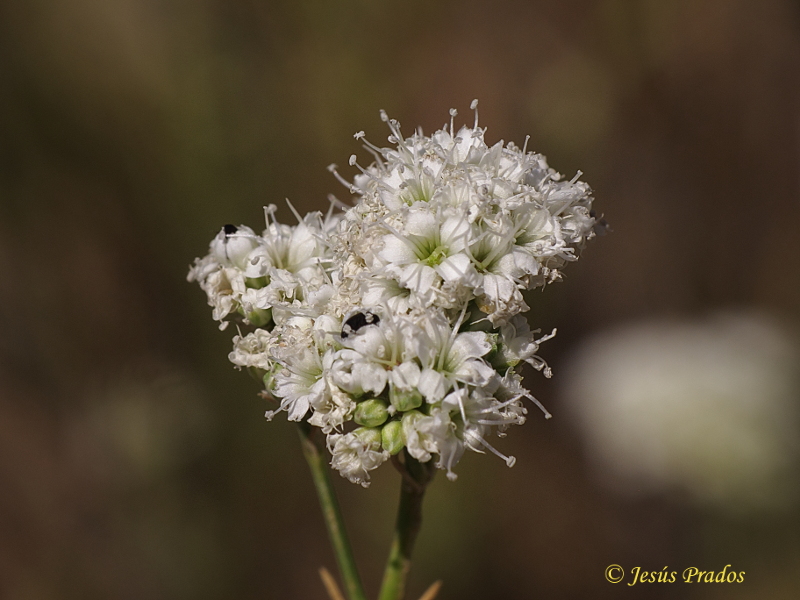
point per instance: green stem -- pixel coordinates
(416, 476)
(315, 455)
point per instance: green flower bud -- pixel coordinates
(256, 282)
(405, 400)
(260, 317)
(392, 438)
(269, 377)
(411, 417)
(371, 413)
(369, 435)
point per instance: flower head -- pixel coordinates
(398, 322)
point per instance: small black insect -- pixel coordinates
(359, 320)
(230, 229)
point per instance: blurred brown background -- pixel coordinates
(135, 461)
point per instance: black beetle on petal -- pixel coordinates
(357, 321)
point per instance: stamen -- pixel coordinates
(269, 211)
(353, 163)
(451, 339)
(474, 106)
(376, 152)
(294, 212)
(549, 336)
(353, 190)
(334, 203)
(547, 415)
(510, 460)
(461, 406)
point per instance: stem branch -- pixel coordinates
(330, 511)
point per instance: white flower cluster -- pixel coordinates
(396, 323)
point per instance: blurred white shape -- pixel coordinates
(708, 407)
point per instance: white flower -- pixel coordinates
(299, 382)
(253, 350)
(422, 434)
(220, 273)
(429, 249)
(461, 422)
(331, 411)
(448, 357)
(297, 249)
(355, 454)
(224, 288)
(354, 373)
(375, 355)
(377, 291)
(232, 245)
(517, 344)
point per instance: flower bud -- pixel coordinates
(259, 317)
(269, 378)
(404, 400)
(392, 438)
(256, 282)
(370, 436)
(371, 413)
(411, 417)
